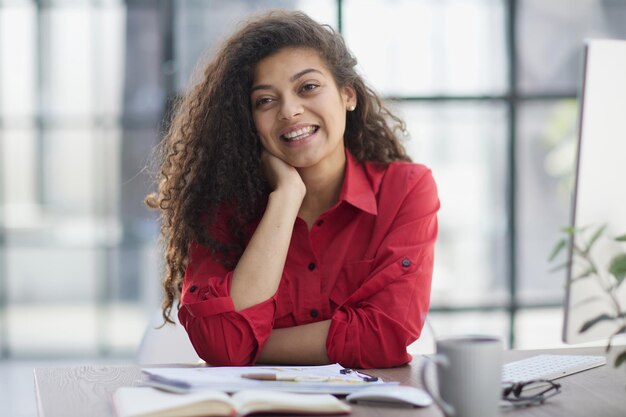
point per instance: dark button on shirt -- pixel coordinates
(193, 288)
(320, 222)
(311, 266)
(314, 313)
(406, 263)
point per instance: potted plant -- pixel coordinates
(608, 277)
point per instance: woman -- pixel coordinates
(297, 229)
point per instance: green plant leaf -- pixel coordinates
(617, 333)
(620, 359)
(586, 274)
(560, 245)
(595, 237)
(569, 230)
(589, 324)
(621, 238)
(618, 267)
(579, 252)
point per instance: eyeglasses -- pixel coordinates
(527, 393)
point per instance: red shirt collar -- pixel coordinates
(360, 185)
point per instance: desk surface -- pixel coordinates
(86, 390)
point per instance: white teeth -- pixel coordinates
(295, 134)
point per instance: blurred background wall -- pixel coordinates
(487, 88)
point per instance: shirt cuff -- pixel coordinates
(210, 307)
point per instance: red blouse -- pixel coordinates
(366, 264)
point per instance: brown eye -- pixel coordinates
(309, 87)
(262, 101)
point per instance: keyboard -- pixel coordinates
(549, 367)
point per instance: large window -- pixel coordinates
(487, 88)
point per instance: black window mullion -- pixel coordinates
(3, 268)
(340, 16)
(512, 167)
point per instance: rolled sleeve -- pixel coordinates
(207, 296)
(210, 307)
(228, 338)
(374, 326)
(219, 334)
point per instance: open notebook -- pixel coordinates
(152, 402)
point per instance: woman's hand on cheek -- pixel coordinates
(282, 176)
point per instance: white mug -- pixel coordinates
(469, 376)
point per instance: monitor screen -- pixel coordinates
(599, 196)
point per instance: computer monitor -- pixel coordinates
(599, 191)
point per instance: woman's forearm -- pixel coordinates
(304, 344)
(258, 272)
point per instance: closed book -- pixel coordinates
(152, 402)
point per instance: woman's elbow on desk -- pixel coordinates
(221, 343)
(225, 355)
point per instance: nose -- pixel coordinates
(290, 108)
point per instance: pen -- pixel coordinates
(269, 377)
(297, 378)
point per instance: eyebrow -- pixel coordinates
(291, 79)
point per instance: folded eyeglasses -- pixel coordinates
(528, 393)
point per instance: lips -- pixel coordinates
(298, 133)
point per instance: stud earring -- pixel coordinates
(351, 107)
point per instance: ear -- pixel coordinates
(349, 97)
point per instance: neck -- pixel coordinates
(323, 186)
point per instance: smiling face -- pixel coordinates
(298, 110)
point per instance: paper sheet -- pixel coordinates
(229, 379)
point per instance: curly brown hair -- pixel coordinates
(210, 156)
